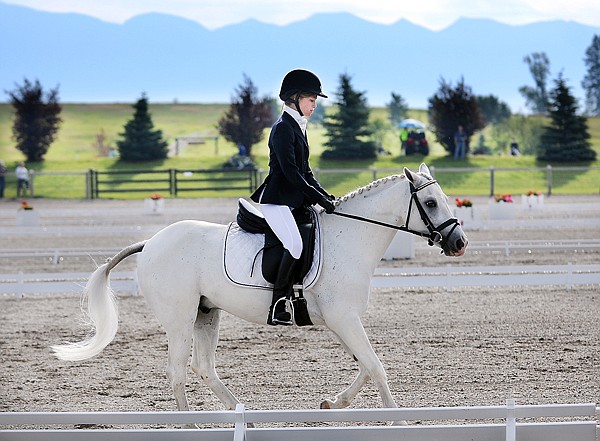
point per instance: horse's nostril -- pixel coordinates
(460, 244)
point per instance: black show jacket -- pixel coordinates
(290, 180)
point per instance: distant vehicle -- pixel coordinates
(417, 143)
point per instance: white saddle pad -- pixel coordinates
(242, 258)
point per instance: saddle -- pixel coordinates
(250, 242)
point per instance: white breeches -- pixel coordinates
(283, 224)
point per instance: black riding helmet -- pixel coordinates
(298, 81)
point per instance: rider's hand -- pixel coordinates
(327, 205)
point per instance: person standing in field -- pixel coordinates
(403, 139)
(460, 143)
(3, 171)
(290, 184)
(22, 175)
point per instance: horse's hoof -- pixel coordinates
(326, 404)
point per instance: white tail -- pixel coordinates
(102, 313)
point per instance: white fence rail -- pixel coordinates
(56, 255)
(448, 277)
(452, 277)
(573, 422)
(54, 283)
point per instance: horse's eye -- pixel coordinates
(431, 204)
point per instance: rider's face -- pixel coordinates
(307, 105)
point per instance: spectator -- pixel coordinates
(2, 178)
(403, 139)
(460, 143)
(514, 148)
(22, 175)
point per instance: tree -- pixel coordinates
(347, 129)
(492, 109)
(451, 107)
(397, 108)
(566, 139)
(247, 117)
(536, 98)
(526, 130)
(318, 115)
(591, 81)
(140, 141)
(37, 119)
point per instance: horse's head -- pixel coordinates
(430, 215)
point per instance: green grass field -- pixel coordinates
(74, 152)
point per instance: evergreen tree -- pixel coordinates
(36, 120)
(492, 109)
(567, 137)
(140, 141)
(348, 128)
(397, 108)
(247, 117)
(451, 107)
(537, 97)
(591, 81)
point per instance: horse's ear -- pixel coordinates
(409, 175)
(424, 170)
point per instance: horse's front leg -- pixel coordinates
(351, 331)
(344, 398)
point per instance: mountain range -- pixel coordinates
(175, 59)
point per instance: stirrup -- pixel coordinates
(283, 322)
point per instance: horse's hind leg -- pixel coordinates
(179, 354)
(206, 338)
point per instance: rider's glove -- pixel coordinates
(327, 205)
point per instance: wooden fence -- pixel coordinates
(551, 179)
(169, 181)
(573, 422)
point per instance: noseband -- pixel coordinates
(434, 235)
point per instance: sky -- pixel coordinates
(431, 14)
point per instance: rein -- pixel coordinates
(434, 235)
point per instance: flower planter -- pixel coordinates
(28, 218)
(502, 210)
(532, 201)
(465, 215)
(401, 247)
(154, 206)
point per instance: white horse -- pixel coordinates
(181, 277)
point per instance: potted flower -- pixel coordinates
(464, 210)
(25, 206)
(532, 199)
(463, 202)
(502, 207)
(26, 216)
(504, 198)
(154, 204)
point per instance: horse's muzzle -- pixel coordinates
(456, 248)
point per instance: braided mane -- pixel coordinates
(368, 187)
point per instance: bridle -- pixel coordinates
(434, 235)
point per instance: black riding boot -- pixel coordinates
(281, 289)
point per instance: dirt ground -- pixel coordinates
(472, 346)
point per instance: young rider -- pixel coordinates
(290, 183)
